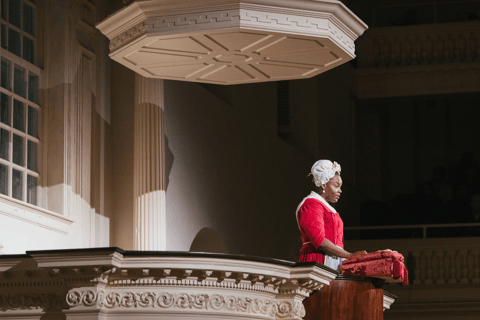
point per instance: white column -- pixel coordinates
(149, 162)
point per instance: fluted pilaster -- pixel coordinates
(149, 162)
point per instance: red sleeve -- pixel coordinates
(339, 230)
(310, 220)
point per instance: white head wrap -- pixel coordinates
(324, 170)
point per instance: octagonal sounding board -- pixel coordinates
(232, 41)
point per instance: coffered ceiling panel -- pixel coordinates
(185, 44)
(319, 59)
(238, 40)
(140, 58)
(232, 41)
(282, 72)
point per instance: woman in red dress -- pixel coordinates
(320, 224)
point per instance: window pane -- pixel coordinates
(33, 122)
(4, 146)
(17, 150)
(18, 115)
(32, 156)
(17, 184)
(5, 109)
(32, 190)
(33, 88)
(19, 81)
(6, 74)
(4, 9)
(4, 179)
(14, 13)
(28, 49)
(14, 42)
(28, 19)
(4, 37)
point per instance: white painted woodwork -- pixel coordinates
(388, 300)
(419, 60)
(149, 162)
(111, 283)
(232, 41)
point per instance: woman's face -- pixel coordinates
(332, 189)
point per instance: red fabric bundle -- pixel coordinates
(388, 265)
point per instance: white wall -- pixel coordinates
(228, 170)
(18, 236)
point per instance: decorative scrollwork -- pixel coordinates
(285, 309)
(256, 305)
(111, 300)
(267, 307)
(217, 302)
(231, 303)
(165, 300)
(74, 298)
(183, 301)
(147, 299)
(200, 301)
(128, 300)
(87, 298)
(30, 301)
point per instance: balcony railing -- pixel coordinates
(436, 261)
(417, 45)
(426, 230)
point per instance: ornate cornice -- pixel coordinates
(112, 280)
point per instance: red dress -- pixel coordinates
(317, 220)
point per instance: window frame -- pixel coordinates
(20, 30)
(29, 68)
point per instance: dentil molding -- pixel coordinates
(232, 41)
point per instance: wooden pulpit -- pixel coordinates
(347, 298)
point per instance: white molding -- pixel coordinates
(387, 301)
(142, 9)
(35, 215)
(66, 259)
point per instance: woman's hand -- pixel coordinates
(357, 254)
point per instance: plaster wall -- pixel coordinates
(228, 170)
(74, 123)
(18, 236)
(121, 150)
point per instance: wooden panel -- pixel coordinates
(345, 300)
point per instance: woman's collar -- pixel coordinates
(315, 195)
